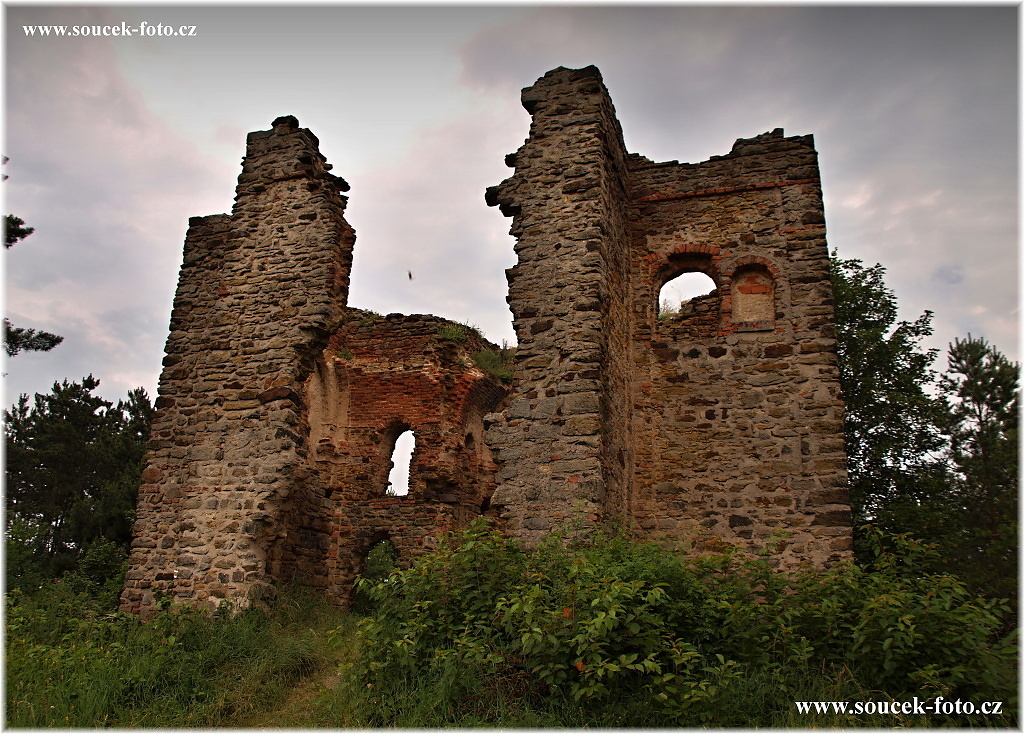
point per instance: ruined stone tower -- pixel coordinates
(718, 426)
(279, 405)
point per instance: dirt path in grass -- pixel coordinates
(315, 700)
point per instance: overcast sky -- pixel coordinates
(115, 142)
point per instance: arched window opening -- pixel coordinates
(401, 460)
(753, 298)
(676, 295)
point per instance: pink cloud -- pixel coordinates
(109, 188)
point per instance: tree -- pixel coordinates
(983, 388)
(74, 462)
(932, 458)
(892, 421)
(17, 339)
(15, 230)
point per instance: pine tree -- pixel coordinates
(15, 230)
(18, 339)
(982, 386)
(74, 462)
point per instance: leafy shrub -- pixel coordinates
(605, 631)
(481, 620)
(598, 630)
(891, 631)
(381, 562)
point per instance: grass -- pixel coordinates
(457, 333)
(321, 698)
(451, 643)
(72, 663)
(497, 363)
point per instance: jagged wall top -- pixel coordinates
(284, 152)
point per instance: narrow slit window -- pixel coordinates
(401, 459)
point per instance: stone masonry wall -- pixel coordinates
(381, 376)
(739, 416)
(256, 296)
(560, 445)
(719, 426)
(279, 405)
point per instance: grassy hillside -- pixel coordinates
(606, 632)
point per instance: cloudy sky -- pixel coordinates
(115, 142)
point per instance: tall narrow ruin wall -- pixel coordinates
(562, 446)
(279, 405)
(256, 295)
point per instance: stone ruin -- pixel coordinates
(279, 404)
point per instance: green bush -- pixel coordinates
(591, 630)
(381, 562)
(605, 631)
(890, 633)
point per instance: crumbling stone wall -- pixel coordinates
(739, 420)
(563, 445)
(379, 377)
(257, 293)
(279, 405)
(719, 426)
